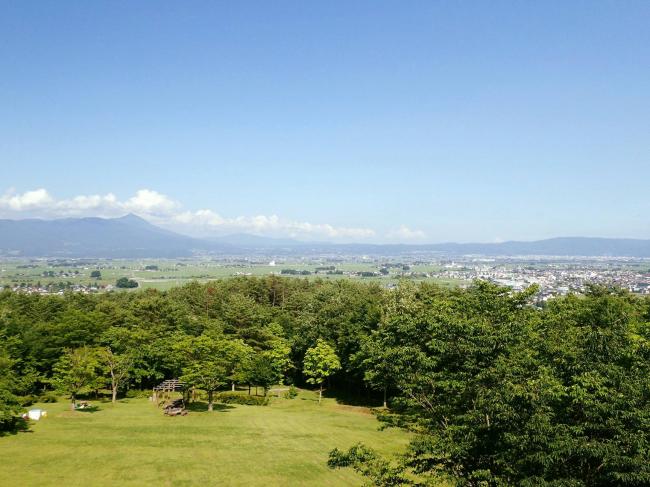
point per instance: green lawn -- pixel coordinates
(133, 443)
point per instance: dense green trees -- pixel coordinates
(9, 401)
(125, 283)
(497, 391)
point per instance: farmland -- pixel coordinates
(163, 274)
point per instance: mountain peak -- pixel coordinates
(133, 219)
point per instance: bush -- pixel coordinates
(236, 398)
(135, 393)
(27, 400)
(291, 393)
(48, 397)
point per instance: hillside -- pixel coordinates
(125, 237)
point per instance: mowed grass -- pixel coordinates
(133, 443)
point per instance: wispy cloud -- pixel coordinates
(163, 210)
(406, 233)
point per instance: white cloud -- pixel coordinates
(150, 202)
(27, 201)
(405, 233)
(162, 210)
(269, 225)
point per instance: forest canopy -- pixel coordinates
(496, 390)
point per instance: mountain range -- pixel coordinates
(133, 237)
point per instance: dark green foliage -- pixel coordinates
(499, 393)
(9, 402)
(48, 397)
(126, 283)
(245, 399)
(365, 461)
(261, 373)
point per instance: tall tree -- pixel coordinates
(205, 364)
(75, 371)
(320, 363)
(9, 404)
(118, 366)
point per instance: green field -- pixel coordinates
(133, 443)
(176, 272)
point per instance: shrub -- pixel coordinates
(27, 400)
(291, 393)
(236, 398)
(48, 397)
(135, 393)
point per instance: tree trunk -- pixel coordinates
(233, 386)
(114, 396)
(320, 393)
(73, 402)
(209, 400)
(249, 389)
(384, 397)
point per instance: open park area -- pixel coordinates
(133, 443)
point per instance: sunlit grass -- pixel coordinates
(133, 443)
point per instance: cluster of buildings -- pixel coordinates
(58, 288)
(553, 277)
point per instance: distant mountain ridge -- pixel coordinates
(126, 237)
(133, 237)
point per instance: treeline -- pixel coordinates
(243, 331)
(497, 392)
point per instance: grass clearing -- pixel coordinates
(133, 443)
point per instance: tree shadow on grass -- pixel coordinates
(14, 426)
(89, 409)
(346, 398)
(202, 407)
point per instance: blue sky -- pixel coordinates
(353, 121)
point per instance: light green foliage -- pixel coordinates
(279, 357)
(117, 366)
(204, 364)
(320, 362)
(237, 358)
(118, 356)
(76, 371)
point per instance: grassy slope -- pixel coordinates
(132, 443)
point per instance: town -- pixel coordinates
(555, 276)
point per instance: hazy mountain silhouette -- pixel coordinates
(133, 237)
(128, 236)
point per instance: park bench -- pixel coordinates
(175, 408)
